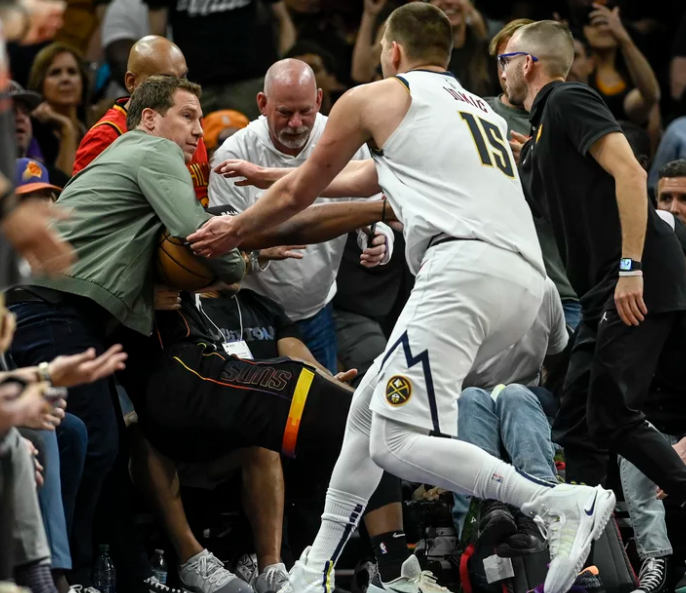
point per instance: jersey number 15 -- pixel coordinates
(489, 143)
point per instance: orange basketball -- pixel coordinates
(177, 267)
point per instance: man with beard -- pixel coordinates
(284, 137)
(623, 261)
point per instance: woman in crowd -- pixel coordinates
(623, 76)
(58, 73)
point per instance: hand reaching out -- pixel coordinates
(77, 369)
(254, 175)
(282, 252)
(346, 376)
(167, 299)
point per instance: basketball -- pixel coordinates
(177, 267)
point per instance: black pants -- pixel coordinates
(608, 381)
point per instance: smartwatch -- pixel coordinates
(630, 267)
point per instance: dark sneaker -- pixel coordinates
(653, 576)
(527, 540)
(496, 523)
(589, 581)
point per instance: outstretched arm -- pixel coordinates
(357, 180)
(319, 223)
(342, 138)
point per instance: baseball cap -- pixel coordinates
(19, 93)
(30, 176)
(217, 121)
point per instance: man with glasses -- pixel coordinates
(623, 261)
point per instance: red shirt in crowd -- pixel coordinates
(112, 125)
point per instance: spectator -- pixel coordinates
(623, 76)
(125, 22)
(24, 102)
(32, 182)
(672, 148)
(59, 75)
(582, 66)
(498, 411)
(671, 189)
(139, 172)
(150, 56)
(220, 125)
(677, 69)
(284, 137)
(469, 61)
(232, 80)
(519, 127)
(367, 50)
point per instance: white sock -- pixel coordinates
(503, 482)
(342, 513)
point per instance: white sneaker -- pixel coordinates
(412, 579)
(272, 579)
(308, 579)
(205, 573)
(80, 589)
(570, 517)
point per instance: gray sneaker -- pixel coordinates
(205, 573)
(272, 579)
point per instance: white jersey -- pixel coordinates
(448, 170)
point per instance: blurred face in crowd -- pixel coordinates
(23, 127)
(454, 10)
(181, 123)
(63, 85)
(671, 196)
(290, 106)
(599, 36)
(582, 67)
(44, 196)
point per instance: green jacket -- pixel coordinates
(118, 206)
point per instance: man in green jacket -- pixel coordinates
(118, 206)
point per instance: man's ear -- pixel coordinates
(149, 118)
(130, 82)
(262, 103)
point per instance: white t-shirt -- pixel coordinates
(302, 287)
(521, 363)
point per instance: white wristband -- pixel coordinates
(632, 273)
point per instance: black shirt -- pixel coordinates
(568, 186)
(264, 322)
(224, 41)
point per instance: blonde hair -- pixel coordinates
(505, 34)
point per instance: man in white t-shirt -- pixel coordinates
(283, 137)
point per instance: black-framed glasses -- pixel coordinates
(504, 59)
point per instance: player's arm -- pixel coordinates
(319, 223)
(297, 350)
(342, 138)
(357, 180)
(614, 154)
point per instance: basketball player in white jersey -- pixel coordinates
(442, 159)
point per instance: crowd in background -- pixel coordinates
(632, 53)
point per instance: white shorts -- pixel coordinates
(471, 300)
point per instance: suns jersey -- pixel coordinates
(448, 169)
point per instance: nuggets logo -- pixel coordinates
(398, 390)
(32, 170)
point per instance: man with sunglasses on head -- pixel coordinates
(622, 260)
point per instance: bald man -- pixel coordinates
(150, 56)
(283, 137)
